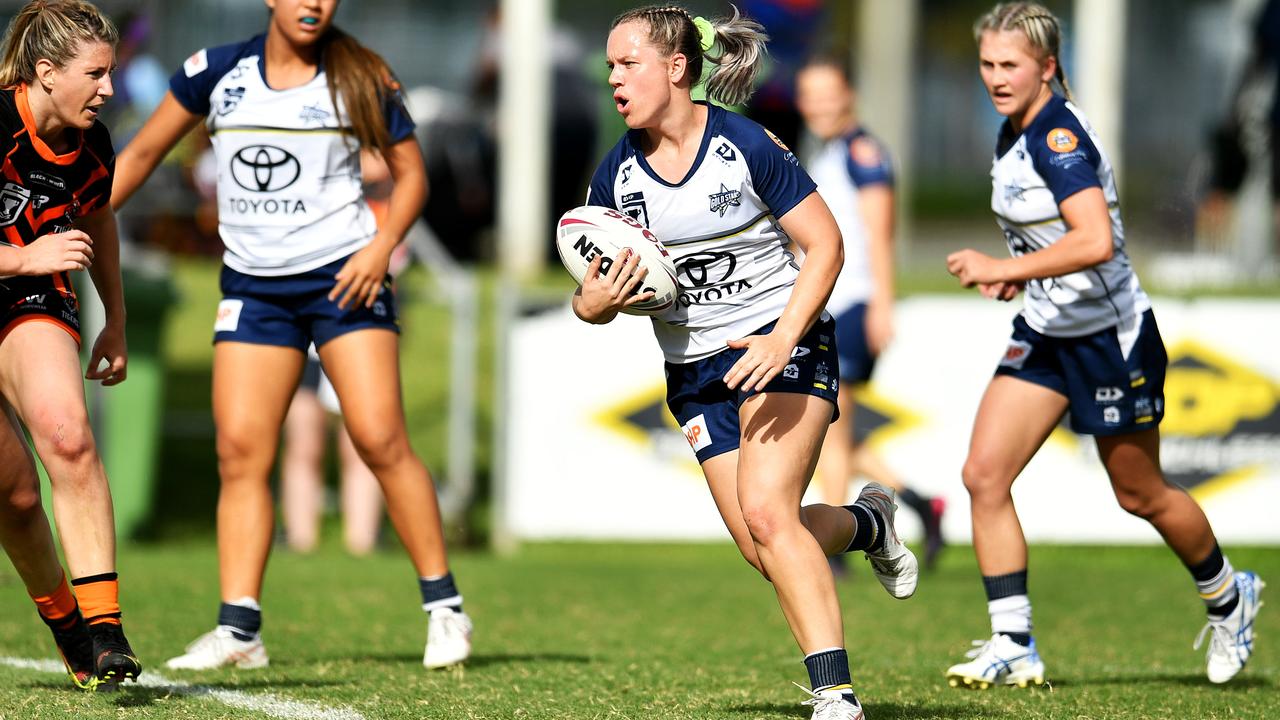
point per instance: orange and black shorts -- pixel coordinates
(37, 299)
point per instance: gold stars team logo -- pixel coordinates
(1062, 140)
(1222, 420)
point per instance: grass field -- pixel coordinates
(645, 631)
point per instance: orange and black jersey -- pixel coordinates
(42, 192)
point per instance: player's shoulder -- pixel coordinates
(749, 135)
(1058, 129)
(214, 62)
(868, 160)
(10, 119)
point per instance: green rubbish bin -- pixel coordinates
(130, 414)
(127, 417)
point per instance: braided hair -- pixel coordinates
(1041, 28)
(741, 42)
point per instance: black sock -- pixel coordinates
(868, 532)
(440, 592)
(829, 670)
(1023, 639)
(1215, 579)
(245, 623)
(1003, 586)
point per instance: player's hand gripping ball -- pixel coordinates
(587, 231)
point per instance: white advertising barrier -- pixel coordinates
(593, 453)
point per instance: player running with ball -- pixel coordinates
(751, 367)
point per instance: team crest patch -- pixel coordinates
(196, 64)
(1062, 140)
(720, 201)
(865, 152)
(776, 141)
(13, 200)
(231, 97)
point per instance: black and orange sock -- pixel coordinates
(58, 608)
(99, 597)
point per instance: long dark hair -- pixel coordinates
(364, 82)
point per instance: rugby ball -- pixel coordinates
(587, 231)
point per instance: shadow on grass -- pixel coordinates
(476, 662)
(877, 710)
(1182, 679)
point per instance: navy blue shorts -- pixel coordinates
(294, 310)
(856, 360)
(1111, 392)
(707, 409)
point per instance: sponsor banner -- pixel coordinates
(593, 452)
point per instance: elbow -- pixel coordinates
(1104, 249)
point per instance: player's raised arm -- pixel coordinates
(167, 125)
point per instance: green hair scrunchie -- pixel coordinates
(706, 33)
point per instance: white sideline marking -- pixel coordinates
(265, 703)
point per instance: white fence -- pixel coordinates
(591, 451)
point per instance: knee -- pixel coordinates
(764, 521)
(380, 446)
(66, 440)
(986, 482)
(240, 452)
(22, 501)
(1145, 505)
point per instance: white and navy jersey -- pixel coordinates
(720, 225)
(844, 164)
(1054, 157)
(289, 197)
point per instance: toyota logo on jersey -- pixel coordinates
(264, 168)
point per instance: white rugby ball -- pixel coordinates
(587, 231)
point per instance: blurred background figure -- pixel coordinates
(854, 173)
(1246, 135)
(307, 427)
(574, 120)
(793, 27)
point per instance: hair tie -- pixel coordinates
(706, 33)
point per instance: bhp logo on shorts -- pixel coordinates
(695, 431)
(1016, 354)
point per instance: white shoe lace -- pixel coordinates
(206, 641)
(828, 706)
(980, 648)
(1221, 639)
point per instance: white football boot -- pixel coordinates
(219, 648)
(1231, 638)
(894, 565)
(448, 638)
(998, 661)
(832, 705)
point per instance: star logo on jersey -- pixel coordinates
(1013, 192)
(231, 98)
(13, 198)
(313, 114)
(721, 201)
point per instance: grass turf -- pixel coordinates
(649, 631)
